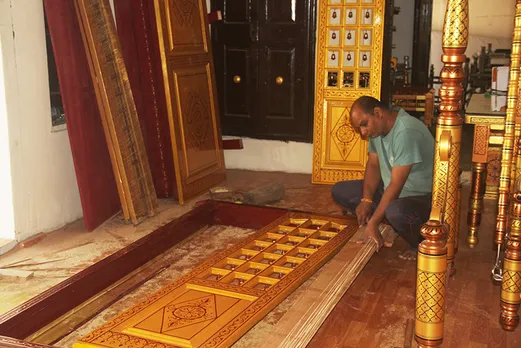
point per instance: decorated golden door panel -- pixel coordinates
(226, 295)
(349, 60)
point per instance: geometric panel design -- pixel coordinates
(227, 294)
(430, 298)
(189, 28)
(344, 135)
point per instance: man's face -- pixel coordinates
(369, 126)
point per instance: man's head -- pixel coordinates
(369, 117)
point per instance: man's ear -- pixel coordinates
(377, 111)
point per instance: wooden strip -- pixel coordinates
(300, 323)
(118, 110)
(8, 342)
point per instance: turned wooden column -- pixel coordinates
(509, 135)
(430, 284)
(511, 284)
(479, 174)
(455, 37)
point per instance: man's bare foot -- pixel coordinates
(408, 255)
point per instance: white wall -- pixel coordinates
(271, 155)
(489, 22)
(45, 192)
(486, 18)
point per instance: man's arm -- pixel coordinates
(398, 178)
(372, 176)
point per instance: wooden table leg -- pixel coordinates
(479, 174)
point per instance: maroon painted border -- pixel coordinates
(41, 310)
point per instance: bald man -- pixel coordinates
(397, 184)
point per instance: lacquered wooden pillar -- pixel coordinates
(511, 283)
(508, 137)
(455, 38)
(430, 284)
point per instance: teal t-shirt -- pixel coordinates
(408, 142)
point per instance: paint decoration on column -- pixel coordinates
(348, 66)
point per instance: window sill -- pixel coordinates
(59, 128)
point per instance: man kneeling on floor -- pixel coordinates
(398, 178)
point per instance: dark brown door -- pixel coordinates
(264, 61)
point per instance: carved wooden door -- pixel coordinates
(348, 65)
(190, 91)
(265, 78)
(227, 294)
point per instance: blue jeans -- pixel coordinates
(406, 215)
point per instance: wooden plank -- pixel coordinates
(118, 109)
(300, 323)
(16, 274)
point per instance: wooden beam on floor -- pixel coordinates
(300, 323)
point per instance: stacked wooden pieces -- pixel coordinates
(117, 108)
(300, 323)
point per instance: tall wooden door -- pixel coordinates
(190, 91)
(263, 52)
(348, 65)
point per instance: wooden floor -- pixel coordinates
(375, 310)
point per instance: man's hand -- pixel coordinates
(363, 213)
(372, 232)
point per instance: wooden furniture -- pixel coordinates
(348, 66)
(417, 100)
(486, 159)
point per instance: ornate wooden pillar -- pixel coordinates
(430, 284)
(455, 37)
(511, 283)
(508, 137)
(432, 257)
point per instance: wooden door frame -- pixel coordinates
(422, 38)
(312, 27)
